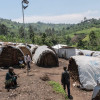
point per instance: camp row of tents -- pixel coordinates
(84, 65)
(64, 51)
(11, 53)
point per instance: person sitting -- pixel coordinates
(11, 79)
(96, 91)
(21, 63)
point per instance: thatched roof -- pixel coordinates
(25, 50)
(44, 56)
(9, 55)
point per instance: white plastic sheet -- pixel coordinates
(96, 89)
(96, 54)
(0, 50)
(64, 52)
(85, 52)
(89, 70)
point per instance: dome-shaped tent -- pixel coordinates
(46, 57)
(85, 70)
(25, 50)
(33, 49)
(9, 55)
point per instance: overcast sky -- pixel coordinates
(50, 11)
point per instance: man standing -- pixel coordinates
(65, 80)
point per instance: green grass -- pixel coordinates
(58, 88)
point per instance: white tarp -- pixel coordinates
(0, 50)
(70, 52)
(77, 52)
(40, 50)
(89, 70)
(96, 90)
(85, 52)
(58, 49)
(96, 54)
(64, 52)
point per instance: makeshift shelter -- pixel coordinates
(33, 49)
(1, 43)
(10, 55)
(84, 52)
(8, 43)
(87, 52)
(30, 45)
(96, 54)
(25, 50)
(85, 69)
(45, 56)
(78, 52)
(64, 51)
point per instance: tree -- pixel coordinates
(80, 44)
(43, 38)
(92, 39)
(21, 31)
(68, 39)
(31, 32)
(54, 39)
(3, 29)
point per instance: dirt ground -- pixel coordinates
(31, 87)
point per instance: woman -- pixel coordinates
(11, 78)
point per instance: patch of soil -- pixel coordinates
(45, 77)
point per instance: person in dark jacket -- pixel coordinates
(11, 78)
(65, 80)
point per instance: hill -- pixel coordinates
(51, 34)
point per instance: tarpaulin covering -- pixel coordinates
(89, 70)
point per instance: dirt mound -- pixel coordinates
(45, 77)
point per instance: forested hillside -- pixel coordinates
(84, 35)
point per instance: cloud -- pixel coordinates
(66, 18)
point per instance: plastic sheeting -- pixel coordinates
(0, 50)
(85, 52)
(96, 54)
(40, 50)
(89, 70)
(96, 89)
(64, 52)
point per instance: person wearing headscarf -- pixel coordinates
(11, 78)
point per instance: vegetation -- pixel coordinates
(84, 35)
(58, 88)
